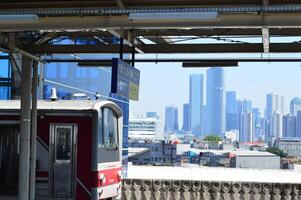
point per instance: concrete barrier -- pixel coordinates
(146, 189)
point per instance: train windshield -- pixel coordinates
(110, 128)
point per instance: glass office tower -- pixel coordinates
(5, 77)
(215, 102)
(196, 93)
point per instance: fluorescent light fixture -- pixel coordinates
(266, 40)
(206, 16)
(211, 64)
(28, 18)
(97, 63)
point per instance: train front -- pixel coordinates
(108, 148)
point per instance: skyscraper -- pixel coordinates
(246, 106)
(231, 111)
(151, 114)
(196, 92)
(289, 125)
(246, 131)
(295, 105)
(215, 101)
(269, 106)
(274, 104)
(276, 126)
(171, 119)
(186, 116)
(256, 122)
(298, 125)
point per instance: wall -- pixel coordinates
(260, 162)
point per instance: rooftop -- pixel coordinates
(55, 105)
(215, 174)
(136, 151)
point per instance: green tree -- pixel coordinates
(277, 151)
(212, 138)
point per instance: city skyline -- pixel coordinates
(171, 85)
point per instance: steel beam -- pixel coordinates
(169, 48)
(153, 33)
(134, 3)
(25, 119)
(238, 20)
(108, 62)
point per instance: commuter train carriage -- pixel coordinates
(78, 149)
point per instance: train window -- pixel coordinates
(63, 139)
(110, 128)
(100, 131)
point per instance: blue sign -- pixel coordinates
(125, 79)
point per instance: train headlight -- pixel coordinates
(119, 175)
(102, 178)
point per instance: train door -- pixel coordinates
(63, 139)
(9, 156)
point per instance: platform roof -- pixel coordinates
(100, 21)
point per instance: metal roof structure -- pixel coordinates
(74, 105)
(150, 26)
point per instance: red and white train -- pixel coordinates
(78, 149)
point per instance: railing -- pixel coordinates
(146, 189)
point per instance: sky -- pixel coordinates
(164, 84)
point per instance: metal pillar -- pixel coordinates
(40, 80)
(23, 188)
(33, 150)
(133, 55)
(121, 49)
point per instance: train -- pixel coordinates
(79, 149)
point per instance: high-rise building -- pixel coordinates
(151, 114)
(276, 126)
(289, 125)
(196, 92)
(215, 101)
(256, 122)
(171, 119)
(246, 106)
(298, 124)
(231, 111)
(246, 130)
(274, 104)
(295, 105)
(186, 116)
(281, 105)
(144, 128)
(270, 108)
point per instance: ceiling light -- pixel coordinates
(206, 16)
(18, 18)
(211, 64)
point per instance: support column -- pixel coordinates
(121, 48)
(33, 149)
(25, 117)
(41, 80)
(133, 55)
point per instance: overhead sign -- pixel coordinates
(125, 79)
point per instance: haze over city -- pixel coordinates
(166, 84)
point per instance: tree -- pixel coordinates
(277, 151)
(212, 138)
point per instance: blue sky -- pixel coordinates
(165, 84)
